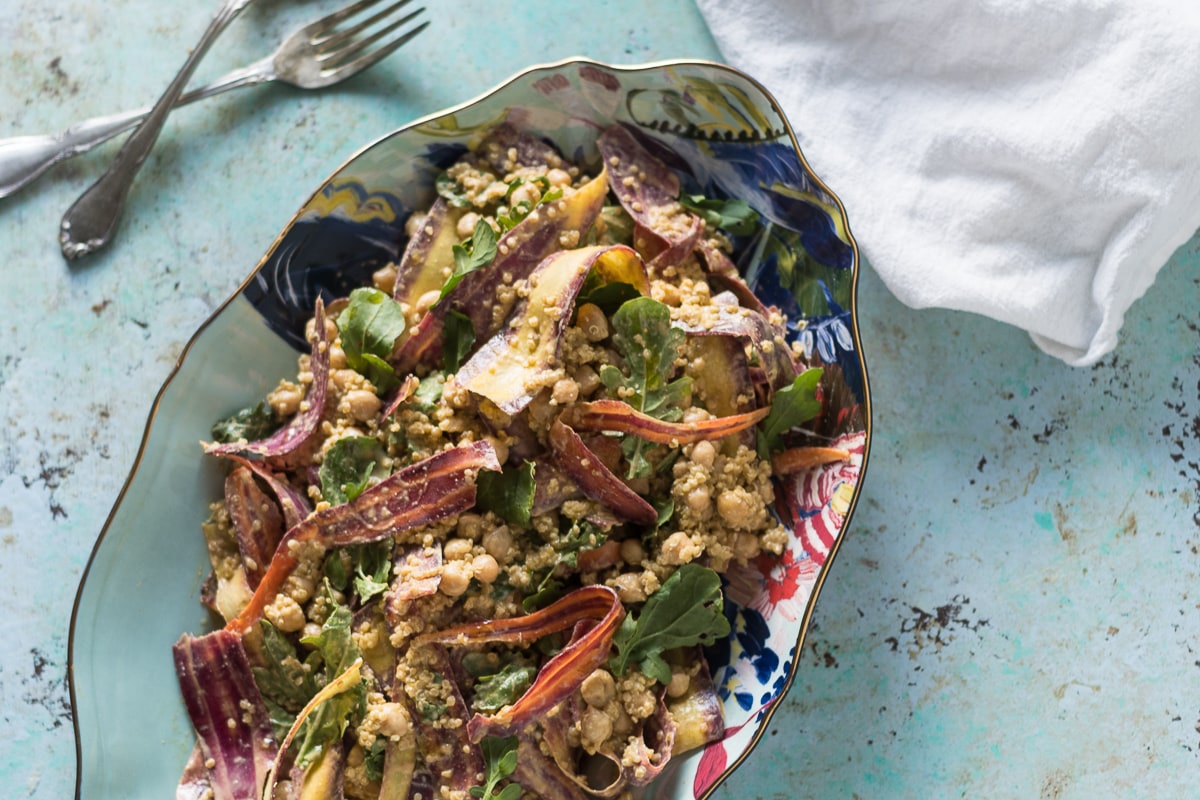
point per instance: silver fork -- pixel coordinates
(312, 57)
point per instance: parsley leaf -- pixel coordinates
(347, 468)
(252, 423)
(500, 759)
(643, 333)
(734, 216)
(793, 405)
(329, 720)
(508, 494)
(369, 327)
(458, 337)
(470, 255)
(372, 567)
(451, 191)
(520, 210)
(285, 682)
(688, 609)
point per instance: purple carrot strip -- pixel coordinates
(653, 748)
(228, 713)
(649, 192)
(402, 393)
(744, 323)
(519, 251)
(427, 254)
(300, 429)
(195, 784)
(506, 148)
(429, 490)
(257, 522)
(292, 502)
(702, 709)
(542, 777)
(449, 753)
(594, 479)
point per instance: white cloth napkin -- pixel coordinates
(1036, 161)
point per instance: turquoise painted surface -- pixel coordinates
(1013, 614)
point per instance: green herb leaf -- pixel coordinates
(734, 216)
(284, 681)
(449, 190)
(374, 758)
(500, 761)
(688, 609)
(475, 253)
(372, 567)
(252, 423)
(458, 337)
(329, 720)
(508, 494)
(793, 405)
(347, 467)
(643, 334)
(429, 392)
(369, 326)
(609, 296)
(501, 689)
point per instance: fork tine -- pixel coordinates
(327, 23)
(366, 60)
(331, 38)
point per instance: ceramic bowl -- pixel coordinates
(725, 136)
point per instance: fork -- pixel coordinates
(314, 56)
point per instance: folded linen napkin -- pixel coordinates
(1036, 161)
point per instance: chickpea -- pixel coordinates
(632, 551)
(746, 545)
(735, 508)
(456, 576)
(703, 453)
(363, 405)
(456, 549)
(594, 729)
(599, 688)
(344, 378)
(498, 543)
(337, 357)
(413, 224)
(696, 414)
(679, 684)
(466, 224)
(426, 301)
(679, 549)
(286, 401)
(526, 193)
(629, 587)
(587, 379)
(393, 719)
(384, 279)
(565, 392)
(558, 177)
(485, 567)
(470, 526)
(500, 446)
(592, 322)
(699, 499)
(285, 614)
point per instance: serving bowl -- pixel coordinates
(726, 137)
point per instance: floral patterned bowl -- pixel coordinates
(726, 137)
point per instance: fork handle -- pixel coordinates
(24, 158)
(90, 222)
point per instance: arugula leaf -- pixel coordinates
(470, 255)
(429, 392)
(374, 758)
(285, 682)
(734, 216)
(347, 467)
(369, 326)
(458, 339)
(494, 692)
(608, 297)
(449, 190)
(665, 508)
(793, 405)
(372, 567)
(500, 760)
(643, 334)
(252, 423)
(508, 494)
(688, 609)
(329, 720)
